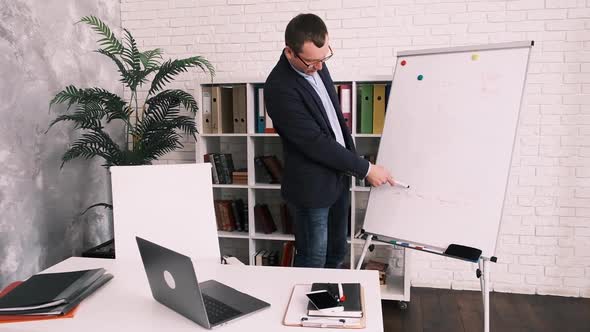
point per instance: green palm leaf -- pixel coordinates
(171, 68)
(87, 116)
(156, 144)
(92, 144)
(70, 94)
(109, 42)
(149, 58)
(186, 124)
(179, 96)
(126, 76)
(131, 54)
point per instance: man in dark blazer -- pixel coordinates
(318, 148)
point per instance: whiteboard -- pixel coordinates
(450, 136)
(171, 205)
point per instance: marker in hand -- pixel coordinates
(401, 184)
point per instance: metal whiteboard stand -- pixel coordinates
(483, 273)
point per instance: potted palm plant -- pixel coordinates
(153, 127)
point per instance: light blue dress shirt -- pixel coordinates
(318, 85)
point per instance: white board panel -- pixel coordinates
(171, 205)
(450, 136)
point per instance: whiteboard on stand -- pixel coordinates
(449, 133)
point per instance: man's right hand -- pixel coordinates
(378, 175)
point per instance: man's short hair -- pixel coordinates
(303, 28)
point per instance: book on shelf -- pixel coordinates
(352, 303)
(52, 293)
(224, 109)
(222, 167)
(206, 119)
(261, 117)
(230, 215)
(269, 169)
(240, 176)
(262, 174)
(274, 167)
(378, 108)
(264, 257)
(345, 96)
(258, 257)
(260, 112)
(372, 100)
(364, 108)
(209, 158)
(264, 220)
(239, 109)
(288, 254)
(239, 216)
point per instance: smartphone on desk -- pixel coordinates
(324, 301)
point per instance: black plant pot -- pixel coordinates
(104, 250)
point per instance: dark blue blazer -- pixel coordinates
(316, 165)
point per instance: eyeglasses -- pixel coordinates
(315, 63)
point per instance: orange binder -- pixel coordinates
(378, 108)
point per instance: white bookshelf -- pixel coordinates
(244, 147)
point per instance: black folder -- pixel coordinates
(52, 293)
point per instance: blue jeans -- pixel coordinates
(320, 234)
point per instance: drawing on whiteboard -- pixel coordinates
(440, 199)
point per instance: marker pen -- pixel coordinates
(401, 184)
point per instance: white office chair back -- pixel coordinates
(171, 205)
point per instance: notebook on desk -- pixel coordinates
(297, 314)
(25, 318)
(352, 303)
(52, 293)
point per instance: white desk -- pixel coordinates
(126, 302)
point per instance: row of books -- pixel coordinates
(264, 257)
(231, 215)
(269, 169)
(371, 105)
(223, 170)
(224, 109)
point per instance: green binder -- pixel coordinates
(365, 109)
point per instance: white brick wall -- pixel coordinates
(544, 246)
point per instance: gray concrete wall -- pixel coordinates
(41, 52)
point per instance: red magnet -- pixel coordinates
(403, 63)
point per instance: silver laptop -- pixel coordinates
(174, 283)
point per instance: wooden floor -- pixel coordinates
(442, 310)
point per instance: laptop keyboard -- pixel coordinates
(218, 311)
